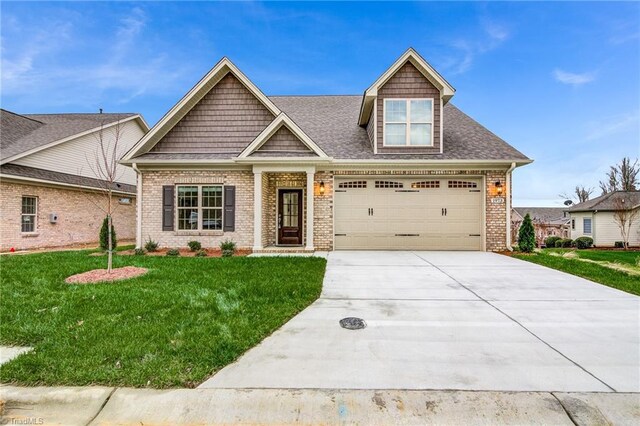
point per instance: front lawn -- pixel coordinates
(173, 327)
(602, 266)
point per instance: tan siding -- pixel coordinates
(73, 157)
(370, 129)
(607, 231)
(579, 231)
(283, 141)
(226, 120)
(408, 83)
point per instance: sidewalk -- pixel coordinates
(123, 406)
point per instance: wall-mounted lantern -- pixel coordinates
(499, 188)
(321, 188)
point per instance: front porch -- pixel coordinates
(284, 217)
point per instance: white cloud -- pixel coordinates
(492, 36)
(614, 125)
(573, 79)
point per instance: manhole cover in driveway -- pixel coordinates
(352, 323)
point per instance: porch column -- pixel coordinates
(309, 245)
(257, 211)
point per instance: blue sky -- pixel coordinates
(559, 81)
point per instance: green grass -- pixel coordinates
(174, 327)
(591, 271)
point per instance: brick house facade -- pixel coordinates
(399, 164)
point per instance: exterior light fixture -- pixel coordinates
(321, 188)
(499, 187)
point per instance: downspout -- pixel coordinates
(508, 204)
(138, 205)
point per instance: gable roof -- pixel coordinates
(281, 120)
(197, 92)
(410, 55)
(607, 202)
(548, 215)
(23, 134)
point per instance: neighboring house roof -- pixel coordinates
(332, 123)
(548, 215)
(23, 133)
(41, 175)
(608, 202)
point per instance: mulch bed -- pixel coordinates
(185, 252)
(101, 275)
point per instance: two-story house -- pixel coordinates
(397, 168)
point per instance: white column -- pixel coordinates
(257, 211)
(138, 206)
(309, 245)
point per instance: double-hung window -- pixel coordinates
(408, 122)
(199, 207)
(29, 214)
(586, 225)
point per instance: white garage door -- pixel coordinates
(424, 213)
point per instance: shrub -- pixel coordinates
(173, 252)
(151, 245)
(228, 248)
(194, 245)
(526, 235)
(619, 244)
(583, 242)
(139, 251)
(201, 253)
(551, 241)
(104, 235)
(564, 242)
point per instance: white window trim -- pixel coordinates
(590, 225)
(199, 208)
(35, 215)
(407, 123)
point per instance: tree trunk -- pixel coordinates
(110, 251)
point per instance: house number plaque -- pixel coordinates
(497, 200)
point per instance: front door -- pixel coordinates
(290, 216)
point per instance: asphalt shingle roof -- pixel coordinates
(608, 201)
(48, 175)
(551, 215)
(332, 123)
(23, 132)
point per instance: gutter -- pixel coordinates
(508, 204)
(138, 205)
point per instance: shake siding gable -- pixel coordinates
(226, 120)
(408, 83)
(284, 141)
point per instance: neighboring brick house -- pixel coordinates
(600, 218)
(547, 222)
(397, 168)
(49, 194)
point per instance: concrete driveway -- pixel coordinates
(450, 320)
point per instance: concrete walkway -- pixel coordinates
(111, 406)
(450, 321)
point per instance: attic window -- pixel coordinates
(408, 122)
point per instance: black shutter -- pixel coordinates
(229, 208)
(167, 207)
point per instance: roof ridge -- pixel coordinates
(312, 96)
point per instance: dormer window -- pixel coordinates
(408, 122)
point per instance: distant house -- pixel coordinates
(45, 178)
(596, 218)
(547, 222)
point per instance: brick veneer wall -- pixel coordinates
(496, 213)
(152, 182)
(79, 219)
(323, 212)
